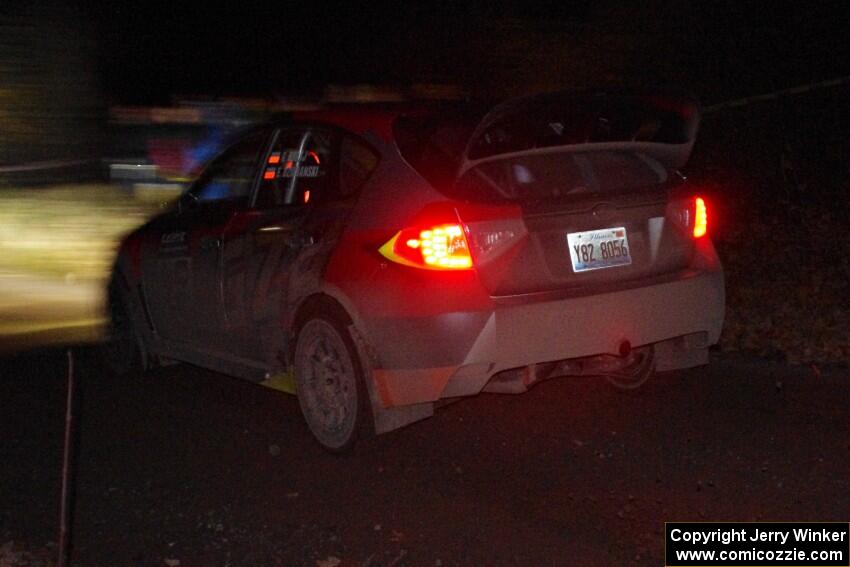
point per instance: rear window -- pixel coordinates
(356, 164)
(536, 148)
(561, 120)
(553, 175)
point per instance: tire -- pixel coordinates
(121, 352)
(329, 382)
(637, 373)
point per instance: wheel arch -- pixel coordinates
(122, 285)
(329, 297)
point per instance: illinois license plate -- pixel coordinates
(597, 249)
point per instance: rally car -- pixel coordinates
(396, 257)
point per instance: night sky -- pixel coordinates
(148, 52)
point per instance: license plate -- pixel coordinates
(597, 249)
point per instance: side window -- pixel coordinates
(298, 170)
(357, 161)
(230, 176)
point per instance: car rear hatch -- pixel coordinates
(561, 192)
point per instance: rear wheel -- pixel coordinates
(329, 382)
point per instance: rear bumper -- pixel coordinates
(598, 324)
(668, 314)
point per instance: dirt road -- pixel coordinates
(196, 467)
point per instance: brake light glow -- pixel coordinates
(700, 218)
(439, 247)
(690, 215)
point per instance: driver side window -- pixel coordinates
(231, 176)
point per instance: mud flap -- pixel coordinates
(386, 419)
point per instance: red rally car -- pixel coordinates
(393, 258)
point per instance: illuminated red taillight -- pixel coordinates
(438, 247)
(700, 218)
(690, 214)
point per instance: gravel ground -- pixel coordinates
(193, 467)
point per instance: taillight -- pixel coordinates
(447, 235)
(691, 215)
(700, 218)
(437, 247)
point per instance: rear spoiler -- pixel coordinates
(662, 124)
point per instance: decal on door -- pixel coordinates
(171, 241)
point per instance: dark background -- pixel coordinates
(64, 63)
(150, 51)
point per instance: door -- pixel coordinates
(184, 291)
(275, 252)
(263, 241)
